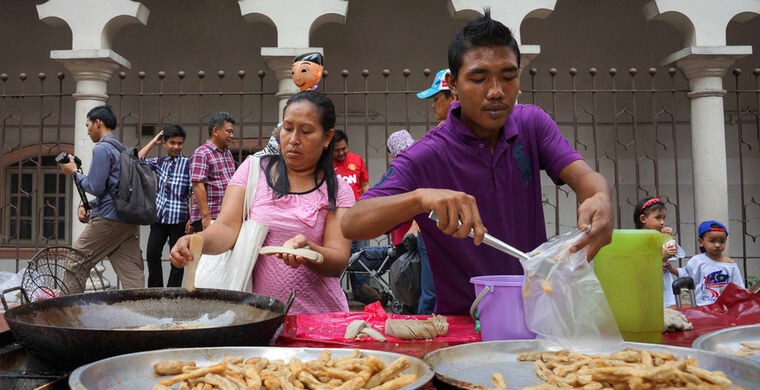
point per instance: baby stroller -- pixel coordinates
(373, 263)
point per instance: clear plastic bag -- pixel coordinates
(564, 301)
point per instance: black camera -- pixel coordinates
(63, 158)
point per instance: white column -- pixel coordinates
(294, 21)
(701, 22)
(91, 69)
(704, 59)
(93, 24)
(511, 14)
(527, 54)
(705, 67)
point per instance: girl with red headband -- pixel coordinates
(650, 213)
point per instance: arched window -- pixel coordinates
(35, 208)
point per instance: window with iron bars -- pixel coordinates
(38, 204)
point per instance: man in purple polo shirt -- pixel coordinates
(482, 167)
(211, 168)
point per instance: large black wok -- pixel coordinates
(70, 331)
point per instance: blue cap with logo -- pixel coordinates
(439, 84)
(711, 225)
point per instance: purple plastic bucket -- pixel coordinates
(500, 309)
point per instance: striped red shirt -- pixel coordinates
(215, 168)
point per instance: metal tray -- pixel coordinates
(470, 366)
(727, 340)
(135, 370)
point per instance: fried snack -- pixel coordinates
(747, 349)
(547, 287)
(171, 367)
(352, 372)
(397, 383)
(359, 328)
(217, 368)
(353, 329)
(751, 345)
(498, 381)
(389, 371)
(627, 369)
(371, 332)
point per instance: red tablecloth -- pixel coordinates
(736, 306)
(326, 331)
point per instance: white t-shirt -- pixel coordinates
(710, 277)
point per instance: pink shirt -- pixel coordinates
(295, 213)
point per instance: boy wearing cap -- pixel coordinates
(441, 94)
(711, 270)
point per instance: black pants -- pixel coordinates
(158, 234)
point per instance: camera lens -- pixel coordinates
(62, 158)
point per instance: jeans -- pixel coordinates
(158, 234)
(426, 303)
(358, 279)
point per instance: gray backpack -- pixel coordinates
(135, 195)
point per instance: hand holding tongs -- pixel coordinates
(492, 242)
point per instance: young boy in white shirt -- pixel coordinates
(711, 270)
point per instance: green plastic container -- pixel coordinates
(630, 272)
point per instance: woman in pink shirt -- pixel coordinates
(302, 201)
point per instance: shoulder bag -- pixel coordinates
(232, 270)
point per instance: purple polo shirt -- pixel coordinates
(506, 184)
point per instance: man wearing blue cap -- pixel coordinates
(441, 94)
(711, 270)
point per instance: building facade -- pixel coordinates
(661, 96)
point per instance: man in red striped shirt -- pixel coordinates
(211, 168)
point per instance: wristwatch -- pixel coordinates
(74, 175)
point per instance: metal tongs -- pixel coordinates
(492, 241)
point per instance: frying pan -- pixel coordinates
(69, 331)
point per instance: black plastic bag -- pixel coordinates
(405, 277)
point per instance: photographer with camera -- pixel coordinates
(105, 235)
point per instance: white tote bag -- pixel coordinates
(232, 270)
